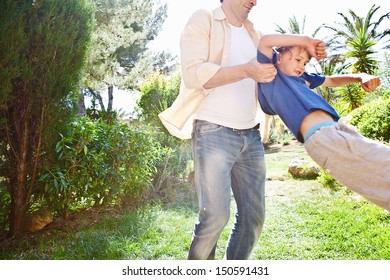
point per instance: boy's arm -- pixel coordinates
(368, 82)
(316, 48)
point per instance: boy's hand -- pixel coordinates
(316, 48)
(369, 82)
(320, 50)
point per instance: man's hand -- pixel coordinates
(261, 72)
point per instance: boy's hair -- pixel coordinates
(285, 49)
(221, 1)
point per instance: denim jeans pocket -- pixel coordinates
(202, 127)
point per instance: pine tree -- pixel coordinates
(120, 38)
(43, 47)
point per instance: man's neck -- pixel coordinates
(231, 17)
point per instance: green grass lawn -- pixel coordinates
(304, 221)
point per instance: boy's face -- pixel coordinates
(293, 62)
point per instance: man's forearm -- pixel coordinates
(227, 75)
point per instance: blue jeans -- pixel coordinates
(227, 160)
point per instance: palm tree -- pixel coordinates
(352, 96)
(295, 27)
(357, 36)
(329, 66)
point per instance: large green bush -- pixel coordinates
(99, 163)
(373, 119)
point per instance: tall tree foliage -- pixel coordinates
(43, 47)
(295, 28)
(120, 38)
(359, 36)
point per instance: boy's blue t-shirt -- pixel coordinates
(290, 97)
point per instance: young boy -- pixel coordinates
(357, 162)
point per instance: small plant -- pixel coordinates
(285, 139)
(273, 137)
(328, 181)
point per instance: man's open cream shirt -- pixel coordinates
(205, 43)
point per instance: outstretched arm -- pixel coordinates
(315, 47)
(368, 82)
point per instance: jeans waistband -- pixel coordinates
(257, 126)
(316, 127)
(245, 129)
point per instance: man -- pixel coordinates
(217, 103)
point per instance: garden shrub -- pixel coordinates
(5, 202)
(373, 119)
(157, 94)
(99, 163)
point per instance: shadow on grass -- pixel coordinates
(151, 232)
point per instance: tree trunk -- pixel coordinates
(26, 165)
(110, 97)
(19, 194)
(24, 135)
(81, 105)
(18, 209)
(100, 99)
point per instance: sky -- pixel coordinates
(265, 15)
